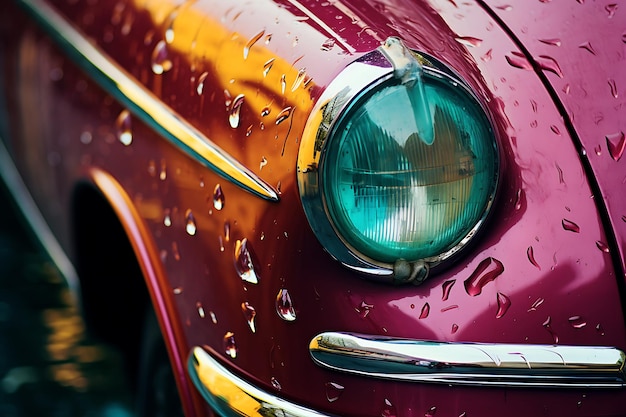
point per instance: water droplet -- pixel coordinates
(469, 41)
(218, 198)
(190, 223)
(446, 287)
(298, 81)
(283, 115)
(229, 345)
(275, 384)
(251, 42)
(200, 310)
(431, 412)
(555, 130)
(588, 47)
(551, 41)
(486, 271)
(268, 38)
(201, 79)
(163, 171)
(249, 313)
(268, 66)
(167, 220)
(175, 251)
(249, 131)
(123, 125)
(245, 263)
(425, 311)
(160, 59)
(265, 111)
(235, 109)
(328, 44)
(560, 171)
(364, 309)
(388, 409)
(570, 226)
(333, 391)
(599, 329)
(283, 83)
(547, 63)
(262, 163)
(616, 143)
(547, 325)
(519, 197)
(228, 98)
(504, 303)
(177, 291)
(566, 88)
(518, 60)
(284, 306)
(505, 7)
(448, 308)
(536, 304)
(227, 231)
(577, 322)
(295, 42)
(598, 150)
(454, 329)
(530, 253)
(602, 246)
(613, 87)
(611, 9)
(487, 56)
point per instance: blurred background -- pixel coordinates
(49, 365)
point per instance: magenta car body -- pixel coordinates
(188, 123)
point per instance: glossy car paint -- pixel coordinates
(559, 282)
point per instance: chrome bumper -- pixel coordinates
(500, 365)
(230, 395)
(506, 365)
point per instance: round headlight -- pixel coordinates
(393, 195)
(398, 164)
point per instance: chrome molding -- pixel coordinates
(18, 190)
(143, 103)
(501, 365)
(230, 395)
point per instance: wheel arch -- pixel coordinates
(100, 203)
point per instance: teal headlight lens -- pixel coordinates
(391, 194)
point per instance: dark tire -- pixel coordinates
(157, 395)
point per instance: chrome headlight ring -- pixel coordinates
(389, 196)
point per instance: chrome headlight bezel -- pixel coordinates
(388, 64)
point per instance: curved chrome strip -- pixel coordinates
(230, 395)
(26, 204)
(505, 365)
(145, 105)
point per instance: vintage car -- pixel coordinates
(332, 207)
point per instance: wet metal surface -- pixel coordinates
(49, 366)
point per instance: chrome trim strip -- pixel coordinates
(143, 103)
(36, 221)
(230, 395)
(501, 365)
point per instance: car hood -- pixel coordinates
(578, 48)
